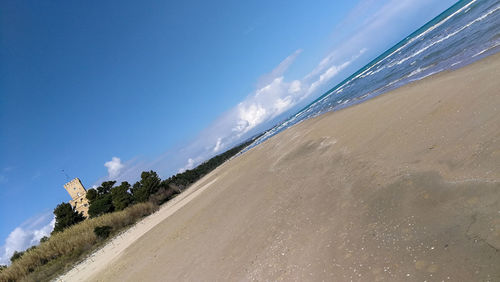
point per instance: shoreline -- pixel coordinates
(401, 186)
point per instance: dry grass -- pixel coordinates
(65, 248)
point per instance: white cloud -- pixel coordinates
(282, 104)
(26, 235)
(129, 170)
(249, 116)
(190, 165)
(273, 97)
(383, 24)
(218, 145)
(327, 75)
(114, 167)
(278, 70)
(295, 86)
(333, 71)
(278, 96)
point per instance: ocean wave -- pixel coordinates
(392, 70)
(467, 6)
(419, 70)
(376, 71)
(410, 41)
(427, 75)
(369, 71)
(450, 35)
(486, 50)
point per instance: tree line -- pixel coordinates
(109, 197)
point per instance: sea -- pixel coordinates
(461, 35)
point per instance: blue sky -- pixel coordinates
(104, 90)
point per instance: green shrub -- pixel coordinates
(17, 255)
(66, 216)
(102, 232)
(68, 246)
(163, 195)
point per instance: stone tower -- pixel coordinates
(78, 195)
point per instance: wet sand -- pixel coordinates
(405, 186)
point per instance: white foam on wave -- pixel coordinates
(450, 35)
(486, 50)
(414, 39)
(374, 72)
(319, 107)
(427, 75)
(418, 70)
(413, 73)
(440, 23)
(369, 72)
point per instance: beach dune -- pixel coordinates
(405, 186)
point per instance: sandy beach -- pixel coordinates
(405, 186)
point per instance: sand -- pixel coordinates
(405, 186)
